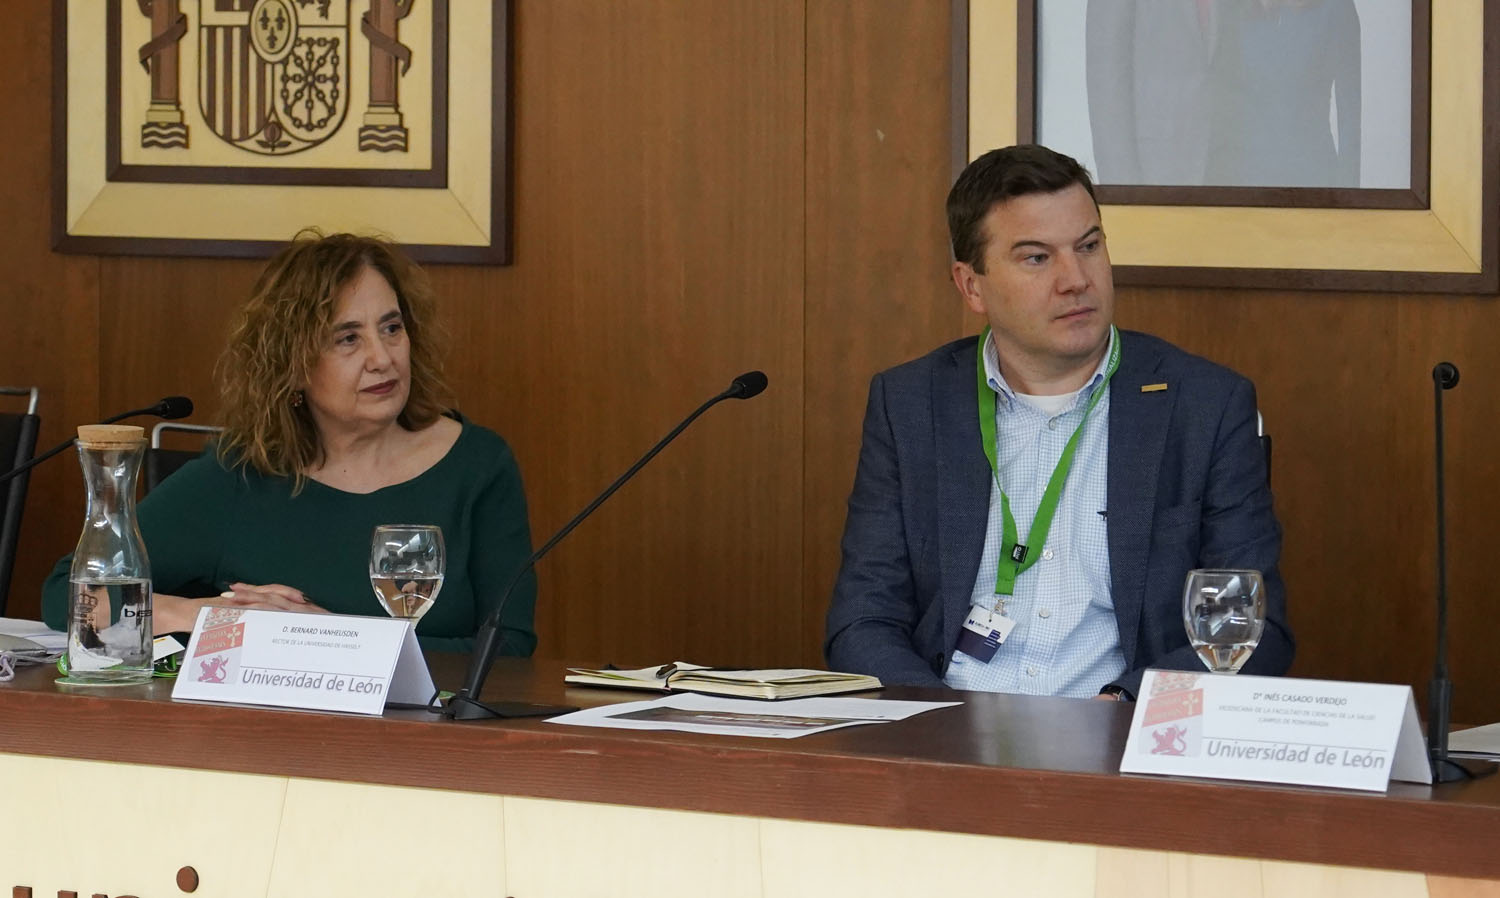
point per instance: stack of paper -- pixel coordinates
(30, 636)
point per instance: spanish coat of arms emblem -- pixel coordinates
(273, 75)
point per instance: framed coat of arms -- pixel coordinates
(223, 127)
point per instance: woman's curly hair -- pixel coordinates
(279, 334)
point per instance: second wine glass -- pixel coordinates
(406, 568)
(1224, 612)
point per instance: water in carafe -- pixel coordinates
(109, 616)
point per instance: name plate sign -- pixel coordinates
(1276, 730)
(319, 662)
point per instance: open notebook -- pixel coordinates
(680, 676)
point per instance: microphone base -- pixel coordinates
(465, 708)
(1457, 770)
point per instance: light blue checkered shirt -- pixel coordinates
(1066, 640)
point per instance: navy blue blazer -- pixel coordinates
(1187, 488)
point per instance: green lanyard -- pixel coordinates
(1016, 557)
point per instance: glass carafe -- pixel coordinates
(109, 614)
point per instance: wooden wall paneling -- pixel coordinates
(1461, 330)
(1309, 357)
(48, 303)
(878, 289)
(162, 325)
(658, 254)
(52, 313)
(1306, 354)
(1345, 383)
(706, 188)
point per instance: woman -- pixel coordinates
(334, 422)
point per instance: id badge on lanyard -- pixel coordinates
(985, 630)
(988, 625)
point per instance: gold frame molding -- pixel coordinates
(1448, 247)
(463, 217)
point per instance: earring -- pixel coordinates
(297, 399)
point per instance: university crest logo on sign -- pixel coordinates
(273, 75)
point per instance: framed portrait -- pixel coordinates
(223, 127)
(1296, 144)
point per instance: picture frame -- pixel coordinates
(224, 127)
(1439, 238)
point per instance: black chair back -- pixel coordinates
(161, 462)
(1265, 443)
(17, 444)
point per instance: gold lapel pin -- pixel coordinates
(1153, 388)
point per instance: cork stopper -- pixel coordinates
(111, 436)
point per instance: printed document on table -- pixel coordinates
(692, 713)
(49, 639)
(1479, 742)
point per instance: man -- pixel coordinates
(949, 544)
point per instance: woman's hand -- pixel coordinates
(175, 614)
(271, 596)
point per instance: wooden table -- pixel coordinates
(1038, 777)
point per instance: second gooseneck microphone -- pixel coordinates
(171, 408)
(466, 705)
(1440, 689)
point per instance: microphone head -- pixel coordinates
(751, 383)
(1445, 374)
(173, 407)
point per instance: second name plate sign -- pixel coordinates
(1276, 729)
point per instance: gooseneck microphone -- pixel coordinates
(1440, 689)
(171, 408)
(466, 705)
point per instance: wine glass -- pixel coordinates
(1224, 612)
(406, 568)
